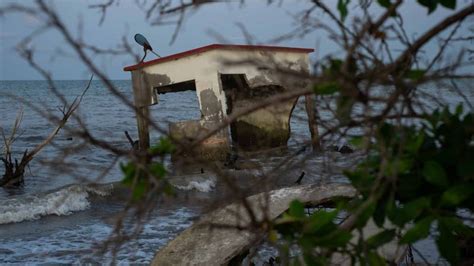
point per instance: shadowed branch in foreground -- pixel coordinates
(14, 170)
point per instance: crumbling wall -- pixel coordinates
(266, 127)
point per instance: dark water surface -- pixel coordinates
(47, 220)
(35, 228)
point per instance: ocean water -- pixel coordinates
(57, 218)
(53, 218)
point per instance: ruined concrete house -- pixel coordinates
(226, 78)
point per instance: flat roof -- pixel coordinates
(213, 47)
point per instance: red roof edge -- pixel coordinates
(217, 46)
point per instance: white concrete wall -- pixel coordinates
(206, 67)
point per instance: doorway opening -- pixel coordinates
(177, 102)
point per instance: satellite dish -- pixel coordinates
(140, 39)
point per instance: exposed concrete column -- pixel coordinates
(142, 97)
(210, 94)
(211, 97)
(312, 122)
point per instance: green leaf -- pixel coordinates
(415, 143)
(318, 261)
(415, 74)
(333, 67)
(409, 211)
(326, 88)
(139, 190)
(286, 219)
(168, 189)
(404, 165)
(381, 238)
(420, 230)
(386, 132)
(319, 220)
(409, 185)
(365, 215)
(456, 225)
(296, 209)
(447, 245)
(465, 168)
(158, 170)
(360, 179)
(435, 174)
(457, 194)
(448, 3)
(357, 141)
(337, 239)
(309, 259)
(381, 210)
(375, 259)
(342, 7)
(164, 146)
(129, 173)
(384, 3)
(430, 4)
(398, 166)
(273, 236)
(459, 110)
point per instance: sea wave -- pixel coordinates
(202, 186)
(63, 201)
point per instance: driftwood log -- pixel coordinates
(203, 244)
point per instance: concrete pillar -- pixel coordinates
(142, 97)
(312, 123)
(211, 97)
(210, 94)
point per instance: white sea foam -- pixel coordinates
(75, 243)
(60, 202)
(202, 186)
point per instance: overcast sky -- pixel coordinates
(262, 21)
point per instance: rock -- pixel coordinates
(345, 149)
(198, 245)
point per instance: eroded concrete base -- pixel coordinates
(213, 148)
(268, 127)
